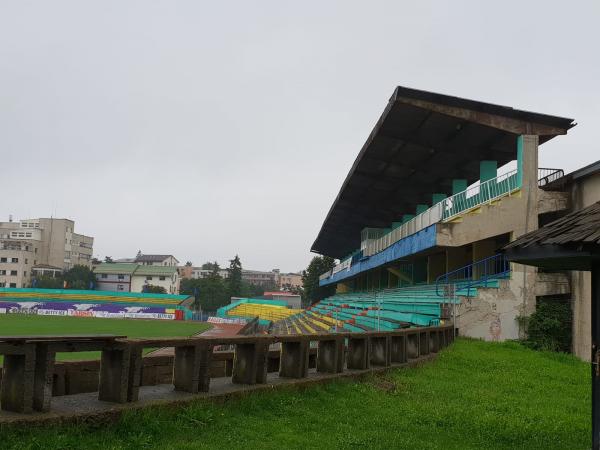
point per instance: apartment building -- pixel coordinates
(261, 278)
(133, 277)
(43, 242)
(290, 280)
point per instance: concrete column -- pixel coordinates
(380, 351)
(412, 345)
(421, 208)
(459, 185)
(424, 343)
(398, 349)
(293, 362)
(434, 341)
(488, 170)
(191, 368)
(330, 356)
(16, 392)
(114, 374)
(135, 373)
(358, 353)
(436, 198)
(244, 364)
(44, 377)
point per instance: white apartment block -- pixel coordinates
(26, 244)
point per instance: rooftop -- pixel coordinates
(421, 142)
(152, 258)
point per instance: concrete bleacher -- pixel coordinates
(267, 311)
(385, 310)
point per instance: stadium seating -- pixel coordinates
(385, 310)
(262, 311)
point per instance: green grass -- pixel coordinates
(476, 395)
(21, 324)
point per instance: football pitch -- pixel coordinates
(22, 324)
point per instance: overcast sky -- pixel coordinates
(206, 129)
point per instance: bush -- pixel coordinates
(549, 328)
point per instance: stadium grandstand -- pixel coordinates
(267, 311)
(439, 186)
(105, 304)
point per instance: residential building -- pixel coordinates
(132, 277)
(260, 278)
(156, 260)
(292, 300)
(35, 242)
(290, 280)
(198, 272)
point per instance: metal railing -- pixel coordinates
(547, 176)
(478, 273)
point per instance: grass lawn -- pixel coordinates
(20, 324)
(476, 395)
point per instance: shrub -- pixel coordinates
(549, 328)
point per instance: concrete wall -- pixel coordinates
(584, 192)
(170, 283)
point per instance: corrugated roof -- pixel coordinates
(152, 258)
(116, 268)
(155, 270)
(579, 227)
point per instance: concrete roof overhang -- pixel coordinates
(421, 142)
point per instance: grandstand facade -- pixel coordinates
(441, 184)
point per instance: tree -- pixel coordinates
(189, 264)
(153, 289)
(310, 279)
(95, 261)
(212, 291)
(80, 277)
(108, 259)
(234, 281)
(48, 282)
(211, 266)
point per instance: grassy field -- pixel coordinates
(20, 324)
(476, 395)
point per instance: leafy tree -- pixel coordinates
(212, 291)
(48, 282)
(310, 279)
(95, 261)
(153, 289)
(292, 289)
(108, 259)
(189, 264)
(211, 266)
(234, 281)
(80, 277)
(249, 290)
(549, 327)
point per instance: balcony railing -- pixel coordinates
(447, 209)
(547, 176)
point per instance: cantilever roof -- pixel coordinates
(420, 143)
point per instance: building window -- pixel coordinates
(149, 278)
(121, 277)
(2, 284)
(14, 260)
(24, 273)
(161, 278)
(2, 259)
(35, 250)
(13, 285)
(104, 275)
(120, 287)
(13, 273)
(26, 261)
(2, 272)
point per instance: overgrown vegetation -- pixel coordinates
(549, 328)
(78, 277)
(310, 279)
(476, 395)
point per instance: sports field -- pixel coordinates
(21, 324)
(476, 395)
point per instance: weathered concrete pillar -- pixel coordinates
(114, 374)
(293, 362)
(191, 368)
(250, 363)
(358, 353)
(134, 380)
(442, 339)
(16, 393)
(44, 377)
(398, 349)
(412, 345)
(330, 356)
(424, 343)
(434, 344)
(380, 351)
